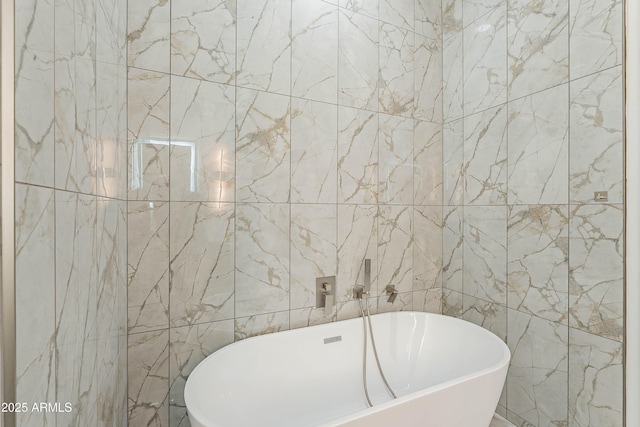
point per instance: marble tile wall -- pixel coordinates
(71, 210)
(532, 105)
(271, 143)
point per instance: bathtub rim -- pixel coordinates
(503, 363)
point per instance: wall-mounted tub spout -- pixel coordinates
(392, 292)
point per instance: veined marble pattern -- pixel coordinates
(427, 69)
(487, 314)
(314, 50)
(538, 47)
(451, 303)
(313, 152)
(428, 19)
(264, 66)
(357, 61)
(485, 253)
(202, 140)
(357, 241)
(148, 259)
(538, 148)
(313, 250)
(190, 345)
(452, 248)
(396, 81)
(203, 40)
(261, 324)
(428, 300)
(596, 120)
(84, 14)
(357, 156)
(34, 117)
(262, 259)
(427, 161)
(148, 122)
(485, 68)
(596, 270)
(395, 174)
(453, 162)
(149, 35)
(397, 12)
(364, 7)
(202, 262)
(34, 28)
(111, 32)
(427, 248)
(596, 33)
(537, 381)
(595, 376)
(472, 10)
(263, 145)
(403, 302)
(451, 18)
(148, 380)
(303, 317)
(538, 240)
(485, 157)
(395, 248)
(452, 77)
(35, 270)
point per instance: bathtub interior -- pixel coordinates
(293, 377)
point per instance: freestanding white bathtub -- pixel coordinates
(445, 371)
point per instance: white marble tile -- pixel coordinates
(537, 380)
(262, 259)
(403, 302)
(357, 61)
(76, 382)
(427, 248)
(596, 33)
(428, 19)
(34, 28)
(395, 174)
(76, 268)
(596, 270)
(452, 248)
(314, 142)
(357, 241)
(395, 248)
(538, 242)
(595, 381)
(202, 141)
(303, 317)
(538, 148)
(489, 315)
(364, 7)
(148, 379)
(35, 272)
(452, 77)
(498, 421)
(485, 157)
(313, 250)
(596, 142)
(148, 134)
(84, 14)
(400, 13)
(314, 51)
(264, 45)
(451, 303)
(538, 46)
(148, 260)
(357, 156)
(149, 35)
(472, 10)
(451, 18)
(485, 253)
(427, 161)
(263, 147)
(396, 52)
(203, 40)
(453, 162)
(111, 32)
(261, 324)
(202, 262)
(34, 118)
(189, 346)
(428, 69)
(429, 300)
(485, 61)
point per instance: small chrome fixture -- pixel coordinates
(365, 288)
(392, 292)
(325, 293)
